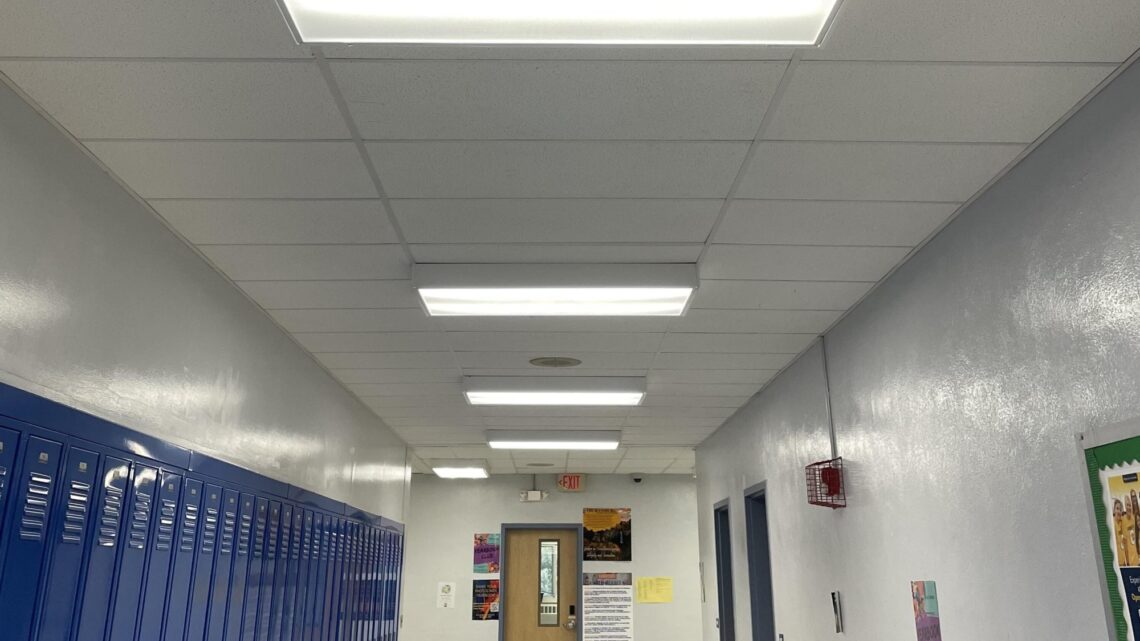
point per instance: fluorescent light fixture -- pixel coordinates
(553, 439)
(460, 469)
(556, 290)
(554, 390)
(570, 22)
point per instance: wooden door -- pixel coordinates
(530, 612)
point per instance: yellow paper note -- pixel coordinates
(654, 589)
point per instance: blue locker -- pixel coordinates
(235, 614)
(397, 579)
(189, 524)
(370, 630)
(9, 443)
(300, 611)
(269, 571)
(318, 564)
(256, 562)
(132, 556)
(282, 573)
(289, 602)
(354, 609)
(223, 567)
(374, 593)
(27, 545)
(382, 578)
(204, 563)
(69, 541)
(328, 614)
(161, 555)
(103, 550)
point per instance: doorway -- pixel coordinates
(726, 621)
(541, 583)
(759, 565)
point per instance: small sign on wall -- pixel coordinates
(445, 595)
(571, 482)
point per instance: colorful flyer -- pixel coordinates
(608, 534)
(924, 598)
(487, 553)
(1114, 477)
(607, 606)
(485, 600)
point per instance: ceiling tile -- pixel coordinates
(557, 169)
(744, 294)
(331, 294)
(169, 99)
(731, 376)
(670, 400)
(807, 222)
(581, 99)
(643, 466)
(373, 341)
(749, 321)
(414, 403)
(873, 171)
(703, 389)
(568, 372)
(352, 320)
(451, 375)
(444, 411)
(270, 222)
(722, 361)
(557, 253)
(406, 389)
(567, 220)
(580, 467)
(430, 422)
(928, 102)
(682, 412)
(308, 262)
(388, 360)
(133, 28)
(211, 169)
(588, 422)
(553, 342)
(737, 343)
(657, 453)
(788, 262)
(519, 360)
(983, 30)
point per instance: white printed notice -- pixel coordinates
(607, 607)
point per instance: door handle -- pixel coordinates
(571, 620)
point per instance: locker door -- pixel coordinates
(366, 586)
(204, 563)
(103, 550)
(183, 569)
(161, 554)
(282, 572)
(68, 540)
(223, 568)
(235, 614)
(397, 582)
(319, 563)
(348, 581)
(385, 588)
(300, 615)
(132, 557)
(332, 592)
(27, 544)
(374, 597)
(354, 610)
(289, 607)
(269, 571)
(256, 561)
(9, 443)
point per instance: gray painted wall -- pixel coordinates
(106, 310)
(957, 388)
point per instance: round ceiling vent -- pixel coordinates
(555, 361)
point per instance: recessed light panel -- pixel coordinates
(460, 469)
(553, 439)
(574, 22)
(555, 290)
(554, 390)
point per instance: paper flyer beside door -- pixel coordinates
(654, 589)
(487, 551)
(1114, 478)
(607, 606)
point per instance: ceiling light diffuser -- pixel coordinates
(460, 469)
(553, 439)
(554, 390)
(555, 290)
(577, 22)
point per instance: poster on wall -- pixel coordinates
(1114, 478)
(607, 606)
(608, 534)
(924, 598)
(485, 600)
(487, 553)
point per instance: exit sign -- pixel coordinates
(571, 482)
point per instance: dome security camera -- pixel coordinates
(637, 478)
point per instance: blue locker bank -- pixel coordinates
(111, 535)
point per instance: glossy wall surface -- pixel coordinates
(104, 309)
(100, 543)
(958, 388)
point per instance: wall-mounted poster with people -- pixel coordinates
(608, 534)
(1114, 477)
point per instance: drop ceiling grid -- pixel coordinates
(774, 241)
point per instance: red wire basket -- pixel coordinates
(825, 484)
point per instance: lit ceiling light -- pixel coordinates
(554, 390)
(553, 439)
(599, 22)
(460, 469)
(555, 290)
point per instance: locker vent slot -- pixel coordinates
(165, 537)
(259, 537)
(140, 521)
(229, 524)
(210, 530)
(36, 506)
(109, 520)
(75, 517)
(3, 482)
(243, 534)
(189, 528)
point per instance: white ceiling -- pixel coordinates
(797, 178)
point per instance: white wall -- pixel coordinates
(104, 309)
(958, 388)
(446, 515)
